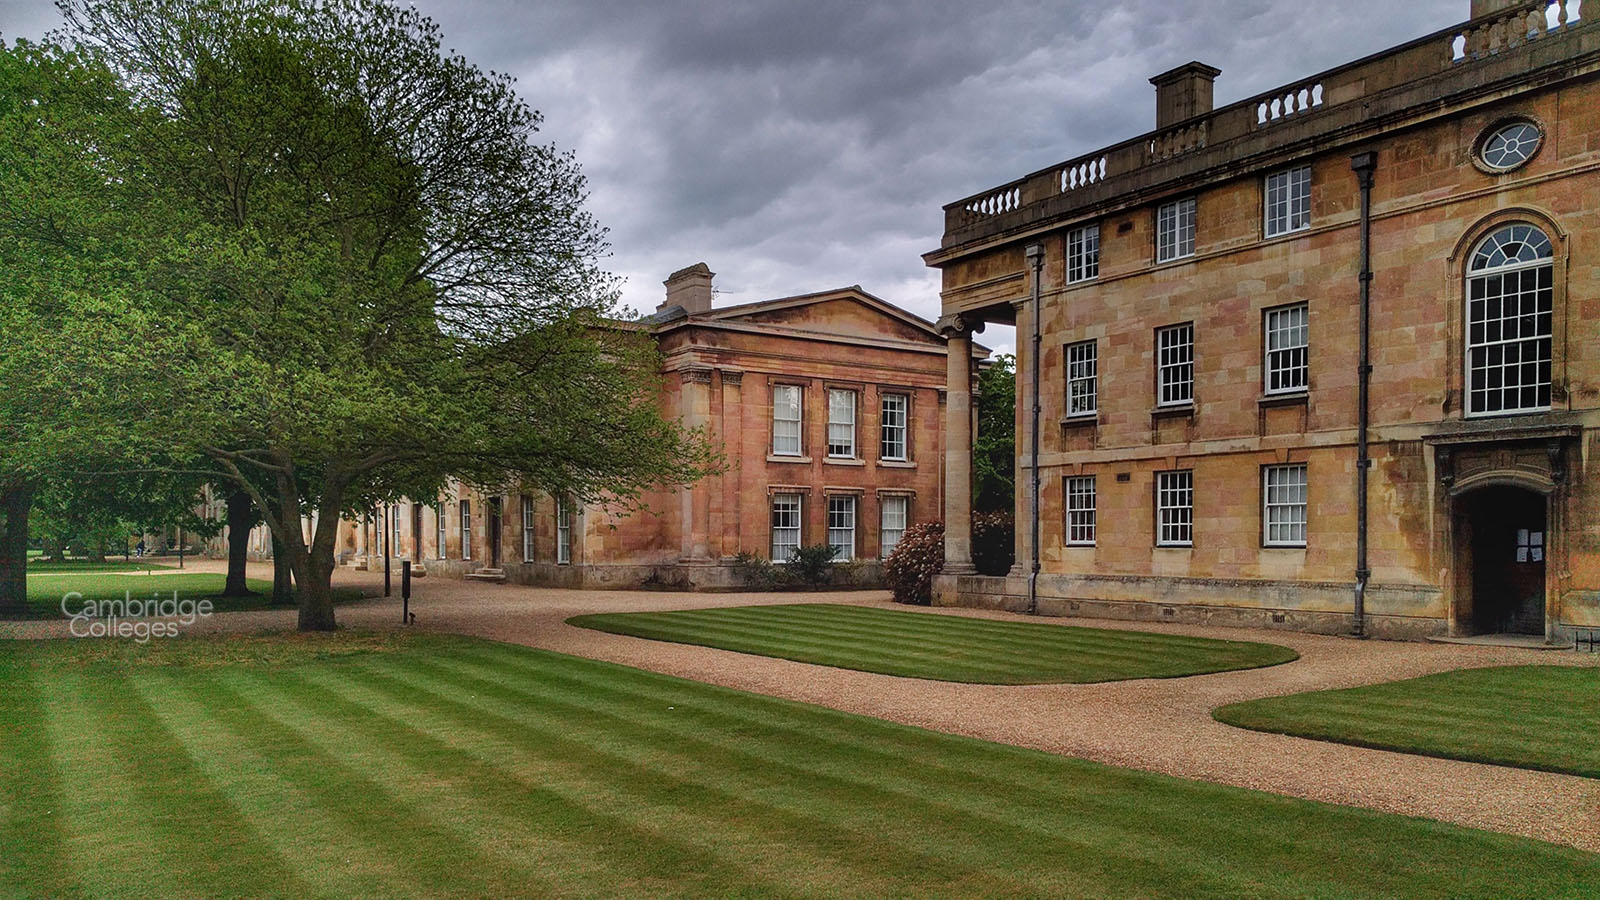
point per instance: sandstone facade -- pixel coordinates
(1483, 515)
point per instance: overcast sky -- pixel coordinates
(800, 146)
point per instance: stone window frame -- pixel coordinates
(1292, 181)
(905, 496)
(1162, 367)
(855, 394)
(1092, 361)
(799, 527)
(1268, 370)
(528, 522)
(910, 397)
(1495, 127)
(1162, 493)
(1070, 489)
(854, 527)
(1083, 253)
(1268, 505)
(772, 418)
(1181, 206)
(1454, 284)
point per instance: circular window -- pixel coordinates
(1511, 145)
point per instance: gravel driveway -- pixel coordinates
(1156, 725)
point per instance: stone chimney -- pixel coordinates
(1487, 7)
(690, 288)
(1184, 92)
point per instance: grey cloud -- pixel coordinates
(798, 146)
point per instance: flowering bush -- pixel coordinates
(918, 557)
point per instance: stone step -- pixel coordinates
(494, 575)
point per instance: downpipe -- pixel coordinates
(1035, 256)
(1364, 165)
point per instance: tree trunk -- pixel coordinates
(241, 516)
(14, 505)
(282, 576)
(97, 551)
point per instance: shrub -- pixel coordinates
(813, 565)
(994, 542)
(919, 556)
(755, 571)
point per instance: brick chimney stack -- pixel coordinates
(1485, 7)
(690, 288)
(1183, 93)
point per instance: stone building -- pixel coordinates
(1204, 381)
(828, 409)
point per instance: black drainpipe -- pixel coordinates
(1035, 255)
(1364, 165)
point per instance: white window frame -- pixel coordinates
(1286, 349)
(440, 529)
(1175, 230)
(841, 524)
(1542, 270)
(894, 434)
(1083, 254)
(894, 517)
(527, 528)
(466, 529)
(782, 423)
(787, 505)
(1082, 501)
(1286, 202)
(1083, 378)
(1285, 505)
(563, 532)
(1175, 508)
(1175, 358)
(842, 406)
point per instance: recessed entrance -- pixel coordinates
(1501, 547)
(495, 520)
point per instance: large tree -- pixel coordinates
(388, 280)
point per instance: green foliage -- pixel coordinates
(370, 275)
(755, 570)
(994, 450)
(812, 565)
(994, 541)
(918, 557)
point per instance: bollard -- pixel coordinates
(405, 593)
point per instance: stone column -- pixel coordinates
(958, 447)
(696, 498)
(1022, 508)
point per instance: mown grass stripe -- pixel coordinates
(32, 831)
(737, 781)
(1535, 717)
(425, 854)
(330, 859)
(951, 648)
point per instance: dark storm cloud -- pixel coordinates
(797, 146)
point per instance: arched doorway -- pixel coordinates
(1502, 545)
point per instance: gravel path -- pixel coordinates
(1156, 725)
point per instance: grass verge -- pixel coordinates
(45, 592)
(418, 766)
(942, 648)
(1531, 717)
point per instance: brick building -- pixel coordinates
(829, 412)
(1201, 294)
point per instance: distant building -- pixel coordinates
(1201, 291)
(828, 408)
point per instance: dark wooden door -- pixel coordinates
(1508, 562)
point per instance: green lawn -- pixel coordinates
(362, 765)
(943, 648)
(35, 553)
(82, 565)
(1534, 717)
(46, 591)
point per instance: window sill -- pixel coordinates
(1184, 411)
(775, 458)
(897, 464)
(843, 461)
(1089, 420)
(1299, 547)
(1298, 398)
(1079, 546)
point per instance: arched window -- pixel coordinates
(1509, 306)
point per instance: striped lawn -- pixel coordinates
(1532, 717)
(362, 765)
(942, 648)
